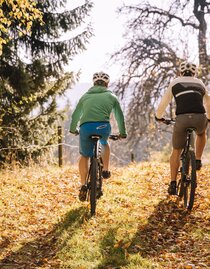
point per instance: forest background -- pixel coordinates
(35, 71)
(137, 226)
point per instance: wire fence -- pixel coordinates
(58, 147)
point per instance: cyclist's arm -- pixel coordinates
(75, 117)
(206, 102)
(119, 118)
(166, 99)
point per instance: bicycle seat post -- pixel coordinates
(190, 137)
(95, 139)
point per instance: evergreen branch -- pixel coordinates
(68, 20)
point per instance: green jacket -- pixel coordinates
(95, 105)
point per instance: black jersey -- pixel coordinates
(190, 95)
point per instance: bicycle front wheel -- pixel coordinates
(180, 186)
(190, 181)
(93, 185)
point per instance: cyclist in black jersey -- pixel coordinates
(192, 105)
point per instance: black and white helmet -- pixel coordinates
(186, 67)
(101, 76)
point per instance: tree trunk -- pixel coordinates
(199, 9)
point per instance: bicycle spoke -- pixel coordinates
(93, 180)
(190, 182)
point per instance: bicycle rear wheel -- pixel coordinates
(190, 181)
(184, 168)
(93, 185)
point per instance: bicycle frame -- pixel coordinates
(190, 139)
(97, 156)
(97, 147)
(187, 183)
(94, 179)
(189, 144)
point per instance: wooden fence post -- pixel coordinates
(60, 148)
(132, 157)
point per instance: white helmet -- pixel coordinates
(101, 76)
(186, 67)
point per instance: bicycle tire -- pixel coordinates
(180, 187)
(99, 181)
(184, 168)
(93, 185)
(190, 181)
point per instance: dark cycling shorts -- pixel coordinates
(184, 121)
(86, 129)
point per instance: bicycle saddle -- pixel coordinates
(93, 136)
(190, 129)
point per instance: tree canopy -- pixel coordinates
(33, 75)
(18, 13)
(159, 37)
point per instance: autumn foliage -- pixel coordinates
(43, 224)
(22, 12)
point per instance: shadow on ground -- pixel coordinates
(162, 231)
(112, 257)
(42, 251)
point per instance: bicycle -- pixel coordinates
(188, 181)
(94, 179)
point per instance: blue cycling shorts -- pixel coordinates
(86, 145)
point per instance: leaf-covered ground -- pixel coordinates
(43, 224)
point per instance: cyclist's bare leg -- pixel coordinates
(105, 157)
(175, 163)
(200, 143)
(83, 168)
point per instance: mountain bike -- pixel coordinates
(187, 183)
(94, 180)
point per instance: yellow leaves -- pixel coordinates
(118, 244)
(189, 266)
(122, 244)
(28, 26)
(126, 245)
(23, 12)
(135, 219)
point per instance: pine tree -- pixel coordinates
(32, 76)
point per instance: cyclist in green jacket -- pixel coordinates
(92, 113)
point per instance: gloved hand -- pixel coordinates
(157, 119)
(123, 136)
(76, 132)
(166, 121)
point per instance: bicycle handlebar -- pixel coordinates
(170, 121)
(114, 137)
(166, 121)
